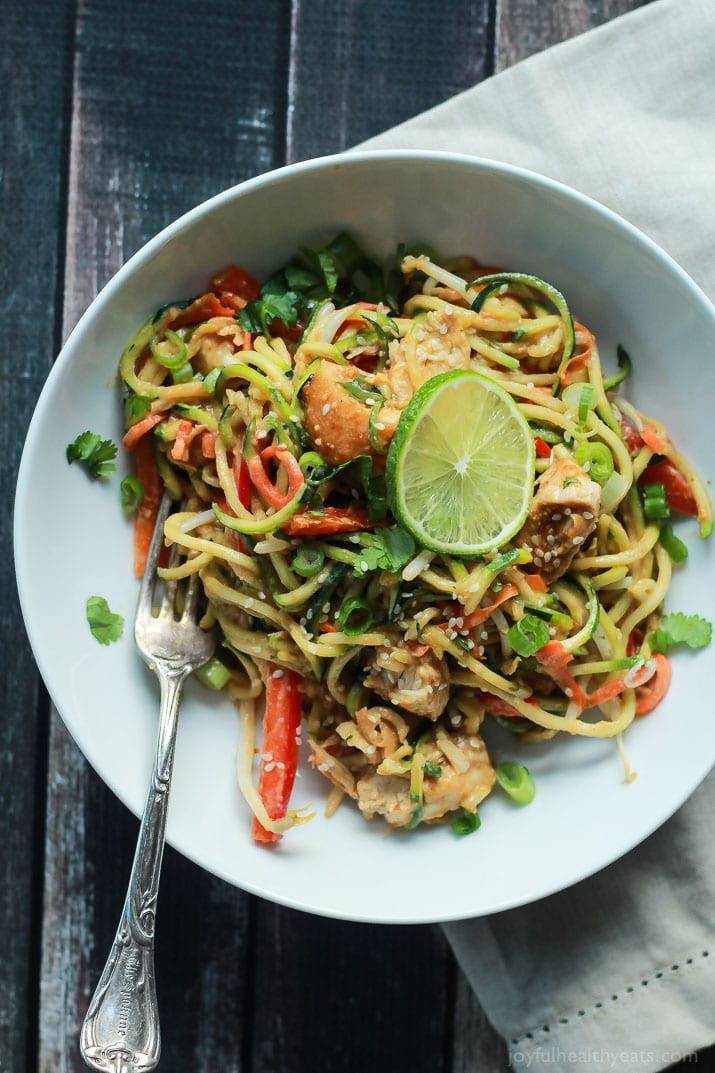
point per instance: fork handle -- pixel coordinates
(121, 1028)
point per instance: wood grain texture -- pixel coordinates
(31, 216)
(244, 986)
(356, 69)
(528, 26)
(143, 150)
(343, 994)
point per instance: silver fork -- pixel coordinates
(121, 1029)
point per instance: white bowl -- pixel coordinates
(72, 542)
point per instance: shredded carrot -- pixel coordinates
(657, 687)
(554, 659)
(208, 444)
(186, 431)
(579, 361)
(135, 433)
(651, 438)
(537, 583)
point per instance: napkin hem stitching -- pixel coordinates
(538, 1034)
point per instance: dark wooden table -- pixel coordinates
(118, 117)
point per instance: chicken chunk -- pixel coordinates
(215, 344)
(337, 423)
(467, 777)
(562, 516)
(418, 684)
(435, 345)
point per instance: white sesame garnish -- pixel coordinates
(326, 408)
(249, 602)
(578, 540)
(278, 673)
(363, 565)
(587, 515)
(326, 608)
(261, 596)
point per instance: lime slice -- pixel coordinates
(460, 468)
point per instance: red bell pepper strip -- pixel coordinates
(203, 308)
(235, 280)
(145, 518)
(543, 450)
(678, 491)
(330, 520)
(135, 433)
(281, 741)
(262, 483)
(657, 687)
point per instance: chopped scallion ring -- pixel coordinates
(516, 781)
(132, 494)
(655, 502)
(596, 459)
(354, 616)
(308, 560)
(528, 635)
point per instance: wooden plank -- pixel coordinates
(334, 996)
(155, 129)
(356, 69)
(31, 212)
(528, 26)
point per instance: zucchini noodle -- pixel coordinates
(283, 407)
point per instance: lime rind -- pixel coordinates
(460, 468)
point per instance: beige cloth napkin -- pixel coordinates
(619, 971)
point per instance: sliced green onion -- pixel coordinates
(211, 378)
(183, 374)
(433, 770)
(356, 698)
(213, 674)
(655, 503)
(673, 544)
(506, 559)
(624, 368)
(172, 358)
(308, 560)
(464, 822)
(553, 615)
(528, 635)
(579, 399)
(596, 459)
(372, 430)
(132, 494)
(354, 616)
(515, 779)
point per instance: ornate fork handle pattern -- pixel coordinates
(121, 1029)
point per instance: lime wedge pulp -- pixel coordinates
(460, 468)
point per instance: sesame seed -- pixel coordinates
(567, 510)
(278, 673)
(256, 648)
(249, 602)
(568, 691)
(474, 743)
(326, 607)
(370, 749)
(547, 556)
(261, 596)
(587, 515)
(363, 565)
(448, 309)
(380, 426)
(555, 517)
(443, 329)
(419, 336)
(578, 540)
(550, 538)
(326, 408)
(455, 720)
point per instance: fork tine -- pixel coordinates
(169, 599)
(192, 598)
(149, 577)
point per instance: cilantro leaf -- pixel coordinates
(135, 407)
(104, 624)
(386, 549)
(680, 629)
(93, 453)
